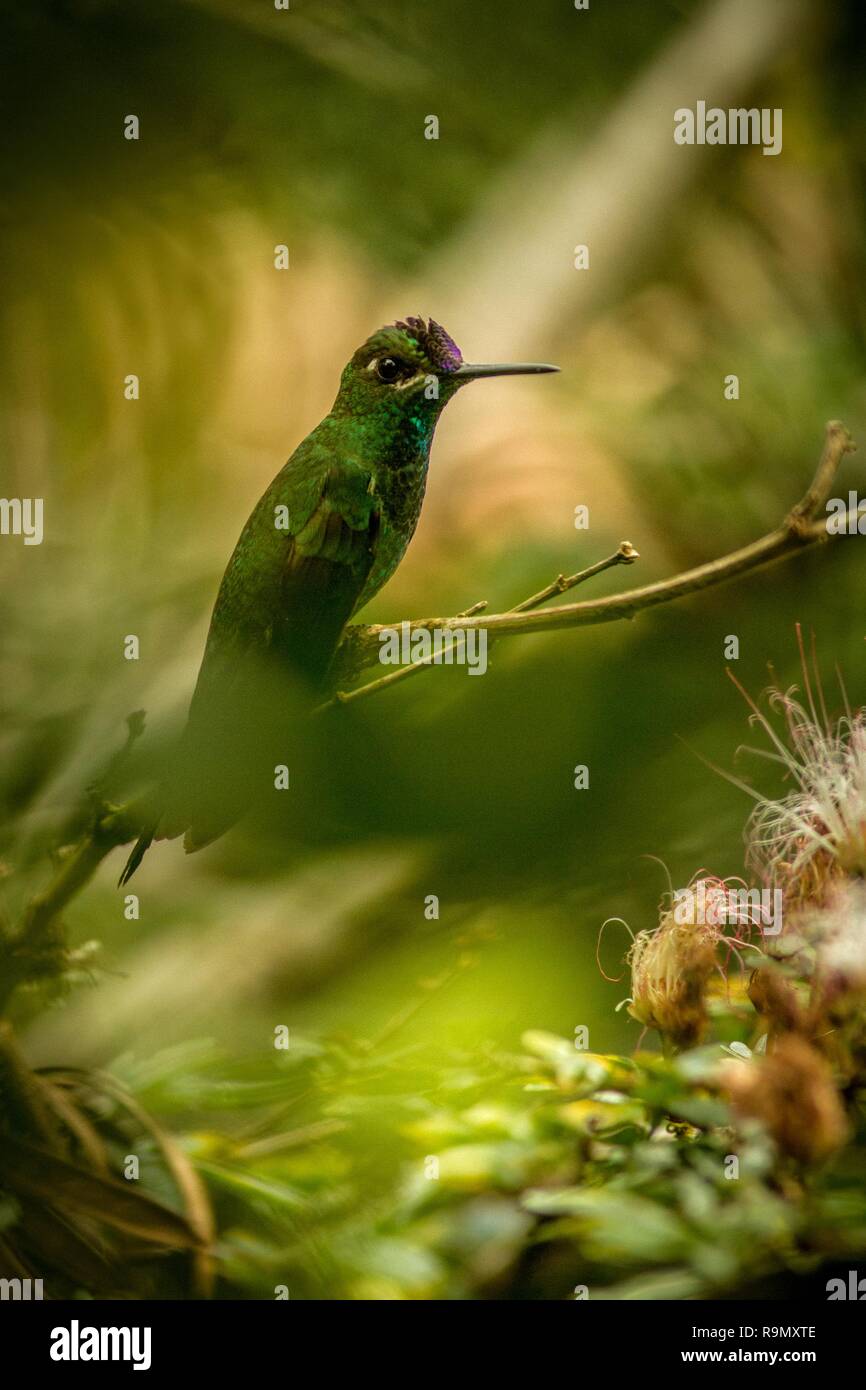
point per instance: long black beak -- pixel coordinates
(471, 370)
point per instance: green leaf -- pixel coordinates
(617, 1225)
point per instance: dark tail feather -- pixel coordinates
(142, 845)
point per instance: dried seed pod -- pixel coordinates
(776, 1000)
(791, 1091)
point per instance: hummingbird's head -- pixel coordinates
(413, 367)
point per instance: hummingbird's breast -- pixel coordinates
(400, 489)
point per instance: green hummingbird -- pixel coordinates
(322, 540)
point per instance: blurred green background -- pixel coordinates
(156, 257)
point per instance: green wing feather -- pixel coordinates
(284, 600)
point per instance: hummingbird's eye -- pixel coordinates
(389, 368)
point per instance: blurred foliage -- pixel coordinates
(344, 1171)
(66, 1217)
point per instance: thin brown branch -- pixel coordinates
(624, 555)
(39, 933)
(800, 529)
(35, 947)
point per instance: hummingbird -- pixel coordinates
(328, 532)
